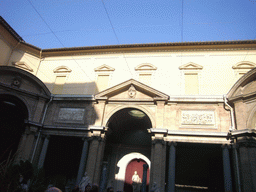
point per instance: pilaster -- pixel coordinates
(160, 113)
(26, 143)
(100, 110)
(96, 152)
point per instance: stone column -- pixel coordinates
(236, 167)
(226, 169)
(171, 170)
(92, 158)
(43, 152)
(247, 160)
(82, 161)
(144, 178)
(99, 162)
(103, 177)
(158, 164)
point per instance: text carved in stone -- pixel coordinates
(71, 114)
(197, 117)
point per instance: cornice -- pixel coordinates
(152, 47)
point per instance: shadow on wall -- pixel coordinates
(76, 110)
(60, 87)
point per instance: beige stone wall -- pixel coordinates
(28, 61)
(215, 78)
(5, 51)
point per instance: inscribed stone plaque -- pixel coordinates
(193, 117)
(72, 115)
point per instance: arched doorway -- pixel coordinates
(127, 133)
(12, 126)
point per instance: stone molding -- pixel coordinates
(145, 67)
(172, 143)
(244, 65)
(156, 95)
(158, 141)
(62, 69)
(248, 142)
(13, 70)
(104, 68)
(191, 66)
(23, 65)
(226, 146)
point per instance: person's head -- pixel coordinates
(95, 188)
(110, 189)
(135, 172)
(88, 187)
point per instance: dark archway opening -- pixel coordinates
(127, 133)
(62, 160)
(199, 167)
(13, 114)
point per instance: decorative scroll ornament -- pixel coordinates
(132, 92)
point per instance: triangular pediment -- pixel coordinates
(23, 65)
(131, 90)
(191, 66)
(104, 68)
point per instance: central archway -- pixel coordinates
(127, 134)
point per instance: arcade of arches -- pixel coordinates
(68, 137)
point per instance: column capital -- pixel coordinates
(85, 138)
(247, 142)
(158, 132)
(160, 141)
(172, 143)
(99, 138)
(97, 130)
(225, 146)
(46, 136)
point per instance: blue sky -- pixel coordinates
(76, 23)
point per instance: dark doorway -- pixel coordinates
(13, 114)
(62, 160)
(199, 167)
(127, 133)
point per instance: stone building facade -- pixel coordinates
(108, 110)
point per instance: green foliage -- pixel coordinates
(38, 182)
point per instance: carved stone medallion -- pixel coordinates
(132, 92)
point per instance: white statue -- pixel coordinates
(84, 182)
(136, 182)
(136, 178)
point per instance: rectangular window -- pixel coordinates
(102, 82)
(59, 83)
(191, 84)
(145, 78)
